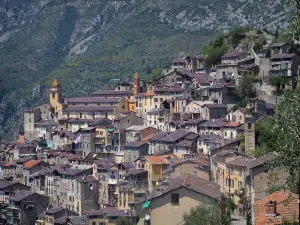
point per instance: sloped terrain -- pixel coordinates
(84, 43)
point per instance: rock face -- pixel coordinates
(80, 41)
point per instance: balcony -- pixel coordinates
(280, 72)
(112, 181)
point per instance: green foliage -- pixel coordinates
(246, 88)
(264, 136)
(237, 34)
(124, 221)
(203, 215)
(274, 188)
(214, 50)
(268, 53)
(285, 135)
(211, 214)
(155, 74)
(279, 82)
(240, 103)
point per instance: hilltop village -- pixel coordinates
(147, 151)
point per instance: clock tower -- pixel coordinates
(55, 93)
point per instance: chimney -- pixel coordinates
(271, 208)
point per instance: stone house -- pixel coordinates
(170, 200)
(280, 48)
(195, 108)
(155, 166)
(184, 166)
(30, 168)
(134, 150)
(137, 133)
(154, 144)
(25, 206)
(86, 193)
(231, 130)
(123, 122)
(9, 188)
(286, 65)
(90, 112)
(86, 138)
(133, 188)
(157, 118)
(213, 126)
(213, 111)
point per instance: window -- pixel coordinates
(53, 95)
(101, 132)
(240, 184)
(231, 134)
(29, 120)
(240, 172)
(80, 115)
(232, 183)
(225, 134)
(249, 125)
(175, 198)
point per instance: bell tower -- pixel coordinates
(136, 84)
(55, 94)
(249, 127)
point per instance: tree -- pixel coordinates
(286, 137)
(218, 213)
(294, 28)
(124, 221)
(203, 215)
(155, 74)
(246, 88)
(214, 50)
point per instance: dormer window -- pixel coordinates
(271, 208)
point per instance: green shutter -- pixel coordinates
(147, 205)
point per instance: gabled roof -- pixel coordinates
(241, 161)
(232, 124)
(277, 44)
(135, 144)
(158, 136)
(282, 56)
(20, 195)
(214, 123)
(260, 161)
(89, 109)
(286, 208)
(31, 163)
(174, 136)
(215, 106)
(93, 100)
(156, 160)
(188, 181)
(112, 92)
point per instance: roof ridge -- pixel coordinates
(184, 179)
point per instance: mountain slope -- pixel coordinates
(86, 42)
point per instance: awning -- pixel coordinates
(147, 204)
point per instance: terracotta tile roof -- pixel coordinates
(148, 137)
(154, 160)
(286, 207)
(8, 164)
(232, 124)
(149, 93)
(31, 163)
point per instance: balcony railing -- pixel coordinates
(280, 72)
